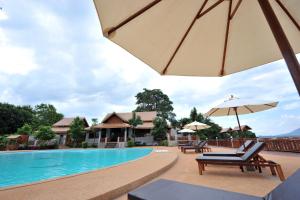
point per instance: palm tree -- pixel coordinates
(134, 122)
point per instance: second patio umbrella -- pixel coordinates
(236, 106)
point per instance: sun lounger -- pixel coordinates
(189, 143)
(239, 152)
(171, 190)
(250, 158)
(200, 147)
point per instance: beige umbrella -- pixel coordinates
(186, 130)
(236, 106)
(196, 126)
(205, 37)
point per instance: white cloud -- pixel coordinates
(15, 59)
(3, 15)
(291, 106)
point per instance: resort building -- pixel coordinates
(115, 130)
(243, 128)
(62, 129)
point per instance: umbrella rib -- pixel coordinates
(269, 105)
(249, 109)
(209, 9)
(228, 111)
(288, 14)
(184, 36)
(235, 9)
(213, 112)
(138, 13)
(226, 39)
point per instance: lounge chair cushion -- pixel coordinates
(172, 190)
(222, 154)
(253, 150)
(245, 146)
(220, 158)
(238, 152)
(288, 190)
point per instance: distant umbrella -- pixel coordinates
(185, 130)
(196, 126)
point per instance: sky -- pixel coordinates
(54, 52)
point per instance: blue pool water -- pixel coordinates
(28, 167)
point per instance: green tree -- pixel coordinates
(155, 100)
(160, 129)
(184, 121)
(243, 134)
(26, 129)
(46, 115)
(194, 114)
(44, 134)
(13, 117)
(134, 122)
(77, 131)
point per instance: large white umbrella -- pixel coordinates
(185, 130)
(196, 126)
(236, 106)
(205, 37)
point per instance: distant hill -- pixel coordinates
(293, 133)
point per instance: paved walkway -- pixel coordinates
(230, 178)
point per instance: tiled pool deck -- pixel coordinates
(111, 182)
(230, 178)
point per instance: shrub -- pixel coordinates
(163, 143)
(25, 130)
(3, 142)
(84, 144)
(130, 143)
(94, 145)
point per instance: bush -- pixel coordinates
(130, 143)
(163, 143)
(84, 144)
(3, 142)
(94, 146)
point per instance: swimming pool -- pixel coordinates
(27, 167)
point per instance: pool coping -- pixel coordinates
(72, 175)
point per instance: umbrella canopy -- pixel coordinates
(235, 105)
(196, 126)
(205, 37)
(185, 130)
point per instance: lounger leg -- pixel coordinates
(280, 172)
(273, 170)
(242, 168)
(200, 168)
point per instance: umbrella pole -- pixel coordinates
(238, 120)
(282, 41)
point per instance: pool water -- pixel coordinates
(28, 167)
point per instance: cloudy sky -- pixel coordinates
(54, 52)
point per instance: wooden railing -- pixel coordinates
(282, 144)
(272, 144)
